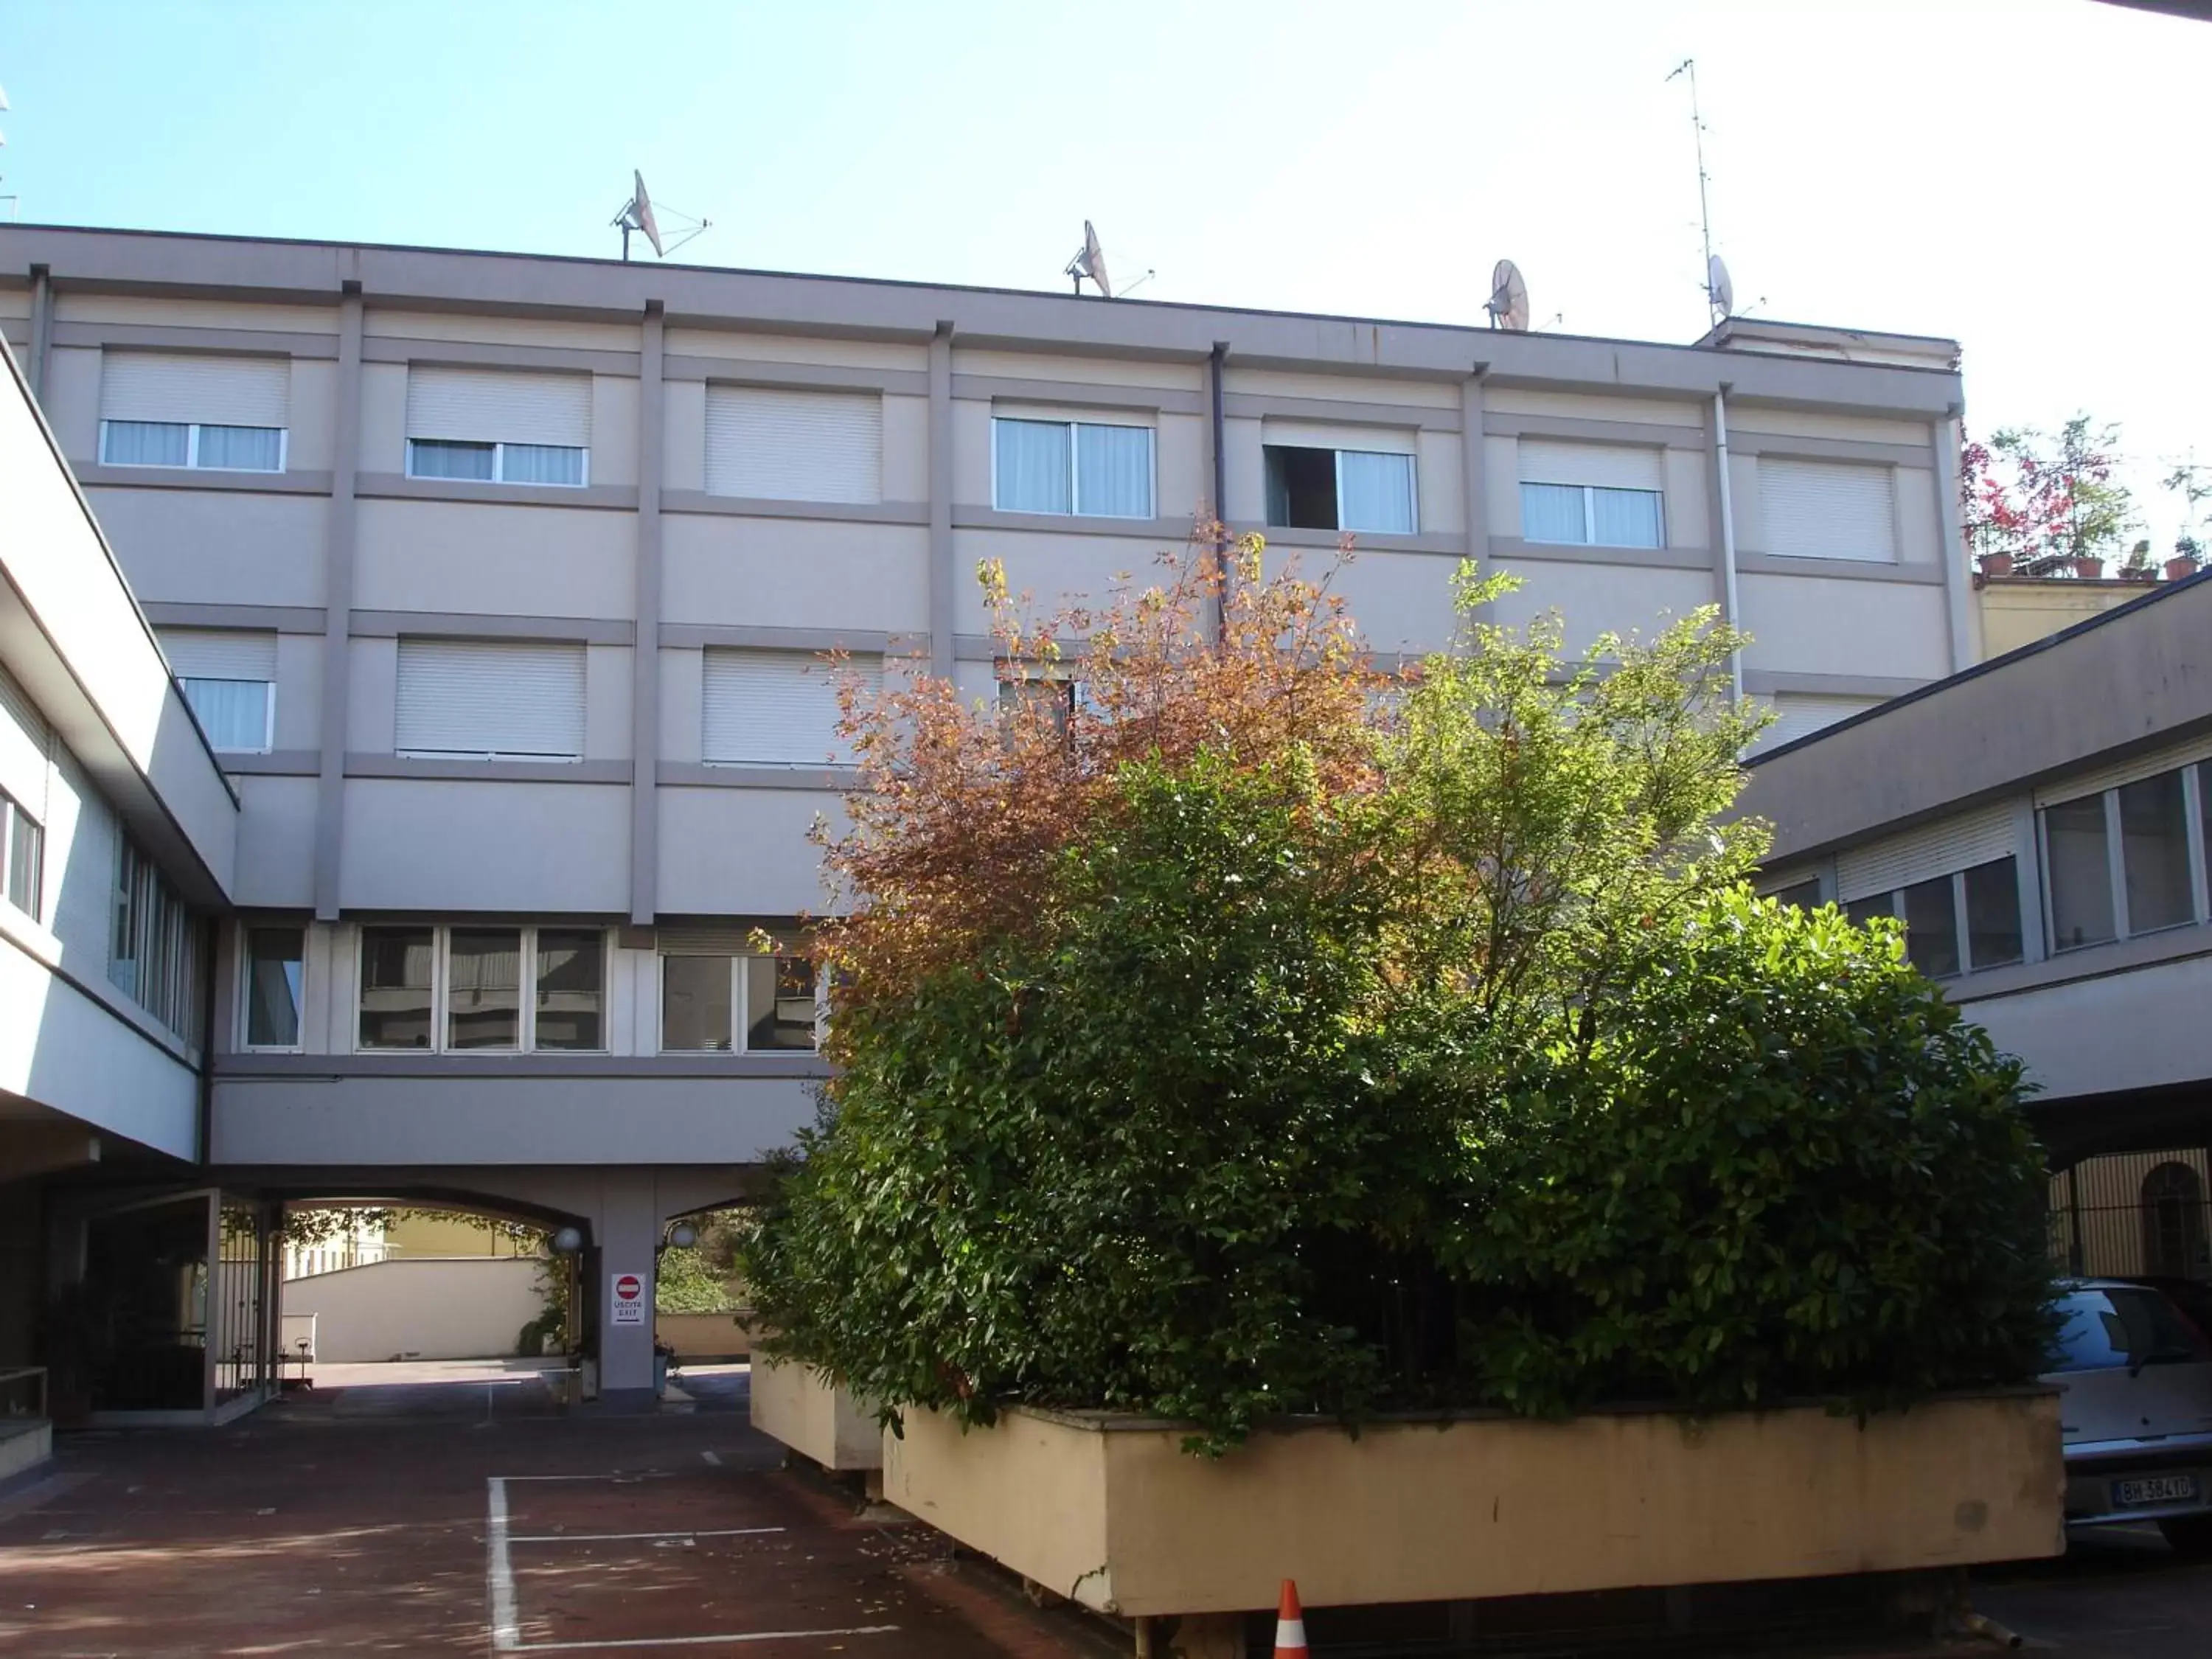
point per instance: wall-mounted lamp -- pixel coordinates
(567, 1241)
(682, 1236)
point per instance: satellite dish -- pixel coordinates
(641, 205)
(1719, 289)
(1090, 261)
(637, 214)
(1507, 304)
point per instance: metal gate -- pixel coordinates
(2135, 1214)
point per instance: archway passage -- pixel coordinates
(428, 1305)
(2173, 1223)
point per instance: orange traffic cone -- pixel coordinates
(1290, 1624)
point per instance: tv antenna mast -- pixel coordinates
(1720, 293)
(637, 213)
(10, 200)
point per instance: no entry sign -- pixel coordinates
(630, 1299)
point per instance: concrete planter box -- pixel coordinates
(706, 1336)
(1111, 1512)
(792, 1404)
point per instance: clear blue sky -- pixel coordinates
(2027, 176)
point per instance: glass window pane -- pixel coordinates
(694, 1003)
(1803, 896)
(1993, 914)
(274, 963)
(1860, 911)
(1931, 927)
(1033, 469)
(234, 714)
(26, 844)
(1625, 518)
(541, 464)
(2155, 853)
(146, 443)
(483, 988)
(1374, 492)
(242, 449)
(1552, 513)
(395, 987)
(441, 458)
(780, 1009)
(1301, 487)
(1114, 471)
(571, 980)
(2081, 881)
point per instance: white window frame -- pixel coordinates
(440, 984)
(1336, 455)
(191, 461)
(10, 810)
(740, 1020)
(268, 710)
(499, 448)
(1074, 468)
(242, 990)
(1961, 929)
(2195, 777)
(1589, 514)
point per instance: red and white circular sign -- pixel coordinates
(629, 1288)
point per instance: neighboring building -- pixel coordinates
(2039, 824)
(498, 583)
(2017, 610)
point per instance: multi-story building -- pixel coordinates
(2038, 825)
(498, 585)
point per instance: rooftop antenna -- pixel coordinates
(10, 200)
(1507, 304)
(1720, 294)
(1089, 260)
(637, 214)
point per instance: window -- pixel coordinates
(1965, 921)
(220, 414)
(1316, 489)
(460, 989)
(2155, 853)
(794, 446)
(24, 851)
(709, 1001)
(2173, 1223)
(154, 949)
(276, 974)
(776, 708)
(2127, 860)
(490, 700)
(1053, 697)
(498, 426)
(1592, 494)
(1802, 896)
(2106, 1329)
(1083, 467)
(229, 679)
(1828, 510)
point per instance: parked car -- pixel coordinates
(2192, 1296)
(2135, 1411)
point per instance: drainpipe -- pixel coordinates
(42, 318)
(1216, 410)
(1731, 610)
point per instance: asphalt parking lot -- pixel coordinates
(455, 1508)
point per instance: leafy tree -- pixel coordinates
(2046, 498)
(1260, 1034)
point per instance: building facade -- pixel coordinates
(2039, 824)
(499, 585)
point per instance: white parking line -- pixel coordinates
(499, 1579)
(612, 1537)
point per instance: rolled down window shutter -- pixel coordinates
(706, 940)
(490, 697)
(1370, 440)
(776, 708)
(499, 406)
(153, 386)
(1796, 716)
(1935, 849)
(1827, 510)
(794, 446)
(204, 653)
(1607, 466)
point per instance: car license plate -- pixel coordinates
(2156, 1489)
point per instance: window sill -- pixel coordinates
(509, 1067)
(1072, 524)
(287, 483)
(728, 774)
(1849, 569)
(358, 765)
(1451, 543)
(397, 486)
(2085, 962)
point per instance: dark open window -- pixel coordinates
(1301, 487)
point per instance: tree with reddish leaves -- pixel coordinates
(2046, 503)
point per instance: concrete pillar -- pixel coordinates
(629, 1229)
(645, 648)
(944, 586)
(337, 611)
